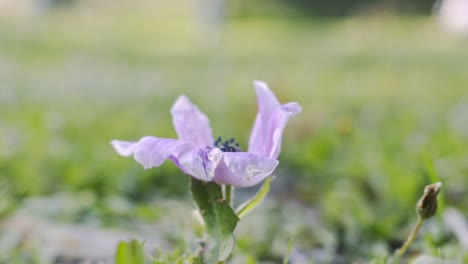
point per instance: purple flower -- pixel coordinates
(197, 153)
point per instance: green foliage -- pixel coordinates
(327, 8)
(219, 218)
(288, 252)
(130, 253)
(255, 201)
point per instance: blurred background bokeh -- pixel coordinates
(384, 91)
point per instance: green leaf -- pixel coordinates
(288, 252)
(251, 204)
(220, 219)
(220, 249)
(130, 253)
(123, 255)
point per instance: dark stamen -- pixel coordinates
(228, 145)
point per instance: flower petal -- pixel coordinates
(267, 132)
(199, 163)
(124, 148)
(211, 158)
(243, 169)
(190, 123)
(152, 152)
(278, 122)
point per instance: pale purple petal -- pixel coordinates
(124, 148)
(212, 157)
(190, 123)
(243, 169)
(267, 132)
(152, 152)
(200, 163)
(277, 124)
(267, 104)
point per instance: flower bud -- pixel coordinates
(427, 204)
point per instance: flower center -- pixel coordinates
(228, 145)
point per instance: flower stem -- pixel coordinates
(400, 252)
(228, 193)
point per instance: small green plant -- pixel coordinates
(425, 208)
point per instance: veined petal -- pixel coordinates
(267, 104)
(124, 148)
(152, 152)
(267, 132)
(211, 158)
(277, 124)
(243, 169)
(190, 123)
(200, 163)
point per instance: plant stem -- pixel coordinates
(228, 193)
(400, 252)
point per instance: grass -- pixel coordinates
(383, 98)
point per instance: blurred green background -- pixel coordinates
(382, 87)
